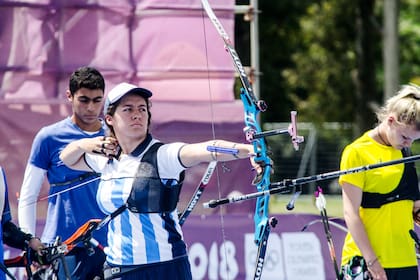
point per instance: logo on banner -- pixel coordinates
(303, 256)
(272, 266)
(294, 256)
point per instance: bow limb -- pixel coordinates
(198, 192)
(321, 204)
(82, 234)
(18, 261)
(237, 62)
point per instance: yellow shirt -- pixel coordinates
(388, 226)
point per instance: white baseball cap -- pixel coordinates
(122, 89)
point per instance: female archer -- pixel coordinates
(138, 171)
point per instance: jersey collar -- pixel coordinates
(142, 146)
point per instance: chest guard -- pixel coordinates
(150, 193)
(407, 188)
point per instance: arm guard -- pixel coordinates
(14, 237)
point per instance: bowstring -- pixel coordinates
(221, 210)
(29, 203)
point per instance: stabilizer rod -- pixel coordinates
(286, 185)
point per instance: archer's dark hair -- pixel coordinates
(86, 77)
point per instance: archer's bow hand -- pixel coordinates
(35, 243)
(46, 255)
(260, 167)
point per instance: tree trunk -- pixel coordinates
(391, 48)
(365, 78)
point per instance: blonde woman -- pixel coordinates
(379, 204)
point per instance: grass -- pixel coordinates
(306, 204)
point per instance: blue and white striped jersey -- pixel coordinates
(134, 238)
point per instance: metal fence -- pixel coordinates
(319, 153)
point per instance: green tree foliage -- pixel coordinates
(410, 41)
(321, 82)
(309, 61)
(280, 38)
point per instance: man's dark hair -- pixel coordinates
(86, 77)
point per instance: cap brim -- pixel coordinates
(141, 91)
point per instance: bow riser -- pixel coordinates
(260, 149)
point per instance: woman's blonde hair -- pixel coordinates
(405, 105)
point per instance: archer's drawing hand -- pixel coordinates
(103, 145)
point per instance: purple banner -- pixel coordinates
(224, 248)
